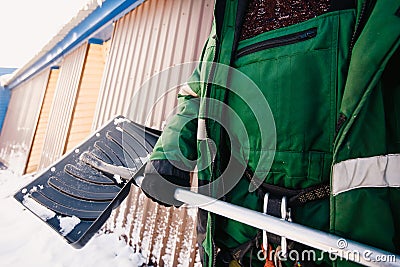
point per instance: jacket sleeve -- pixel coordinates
(175, 153)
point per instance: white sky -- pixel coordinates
(26, 26)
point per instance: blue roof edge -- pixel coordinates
(109, 12)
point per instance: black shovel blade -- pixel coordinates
(76, 195)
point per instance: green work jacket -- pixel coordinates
(308, 104)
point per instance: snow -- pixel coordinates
(145, 159)
(192, 212)
(28, 241)
(68, 224)
(117, 178)
(41, 211)
(4, 78)
(120, 120)
(90, 2)
(16, 158)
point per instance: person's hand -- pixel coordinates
(161, 189)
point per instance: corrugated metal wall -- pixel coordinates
(5, 95)
(156, 35)
(151, 38)
(88, 93)
(62, 107)
(21, 120)
(37, 146)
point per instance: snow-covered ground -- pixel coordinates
(26, 241)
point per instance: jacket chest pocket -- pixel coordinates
(300, 71)
(277, 42)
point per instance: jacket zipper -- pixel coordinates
(208, 92)
(360, 24)
(278, 41)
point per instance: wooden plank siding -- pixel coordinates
(88, 92)
(60, 116)
(37, 146)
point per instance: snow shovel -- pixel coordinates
(76, 195)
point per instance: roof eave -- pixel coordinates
(81, 28)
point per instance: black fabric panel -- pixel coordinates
(342, 5)
(219, 14)
(164, 167)
(241, 11)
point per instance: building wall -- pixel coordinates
(21, 120)
(83, 112)
(38, 141)
(78, 96)
(62, 106)
(151, 38)
(93, 85)
(154, 36)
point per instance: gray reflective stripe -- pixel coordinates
(201, 129)
(186, 90)
(379, 171)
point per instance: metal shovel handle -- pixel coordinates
(336, 246)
